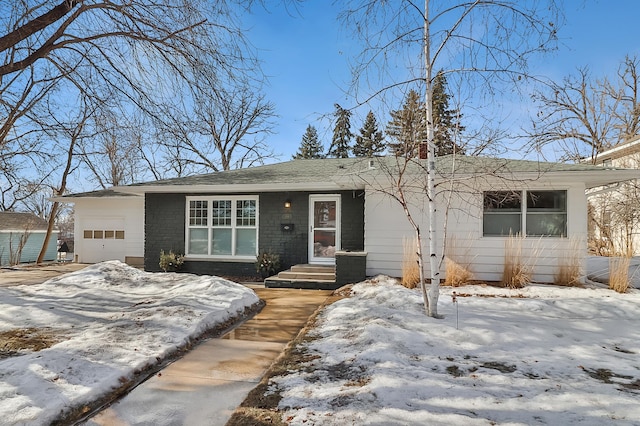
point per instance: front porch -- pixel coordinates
(350, 267)
(317, 277)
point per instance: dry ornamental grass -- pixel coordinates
(619, 274)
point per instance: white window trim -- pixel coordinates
(209, 227)
(524, 213)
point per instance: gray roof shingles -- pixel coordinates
(16, 221)
(346, 170)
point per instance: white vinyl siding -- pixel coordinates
(222, 227)
(122, 235)
(386, 226)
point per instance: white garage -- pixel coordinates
(108, 226)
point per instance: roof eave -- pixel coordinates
(240, 188)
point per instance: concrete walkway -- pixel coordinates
(207, 384)
(34, 274)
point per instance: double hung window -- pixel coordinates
(538, 213)
(222, 226)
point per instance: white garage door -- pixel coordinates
(103, 239)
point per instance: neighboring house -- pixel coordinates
(306, 210)
(614, 215)
(22, 236)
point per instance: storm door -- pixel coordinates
(324, 229)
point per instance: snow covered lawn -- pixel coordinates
(539, 355)
(104, 324)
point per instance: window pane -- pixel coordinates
(97, 235)
(324, 214)
(550, 224)
(504, 201)
(246, 213)
(502, 213)
(119, 235)
(198, 212)
(198, 241)
(246, 242)
(221, 212)
(221, 243)
(547, 201)
(547, 213)
(496, 224)
(88, 234)
(108, 234)
(324, 243)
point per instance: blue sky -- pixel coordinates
(306, 54)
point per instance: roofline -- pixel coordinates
(621, 148)
(22, 231)
(71, 198)
(241, 188)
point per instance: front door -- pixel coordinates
(324, 231)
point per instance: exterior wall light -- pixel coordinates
(287, 204)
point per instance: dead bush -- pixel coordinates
(410, 267)
(619, 274)
(570, 265)
(516, 272)
(455, 274)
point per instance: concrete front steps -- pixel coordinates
(319, 277)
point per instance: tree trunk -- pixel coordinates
(47, 236)
(63, 187)
(434, 264)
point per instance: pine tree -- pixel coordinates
(310, 146)
(341, 134)
(370, 141)
(408, 127)
(446, 122)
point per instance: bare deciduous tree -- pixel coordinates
(583, 116)
(487, 42)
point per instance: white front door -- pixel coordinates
(324, 229)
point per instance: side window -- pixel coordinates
(547, 213)
(544, 214)
(502, 213)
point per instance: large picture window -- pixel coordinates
(538, 213)
(222, 226)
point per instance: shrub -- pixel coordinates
(457, 262)
(456, 274)
(171, 261)
(619, 274)
(268, 263)
(410, 267)
(570, 266)
(516, 273)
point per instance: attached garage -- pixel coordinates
(103, 238)
(108, 226)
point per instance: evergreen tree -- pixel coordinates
(446, 122)
(310, 146)
(370, 141)
(408, 127)
(341, 134)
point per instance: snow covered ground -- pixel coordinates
(539, 355)
(110, 321)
